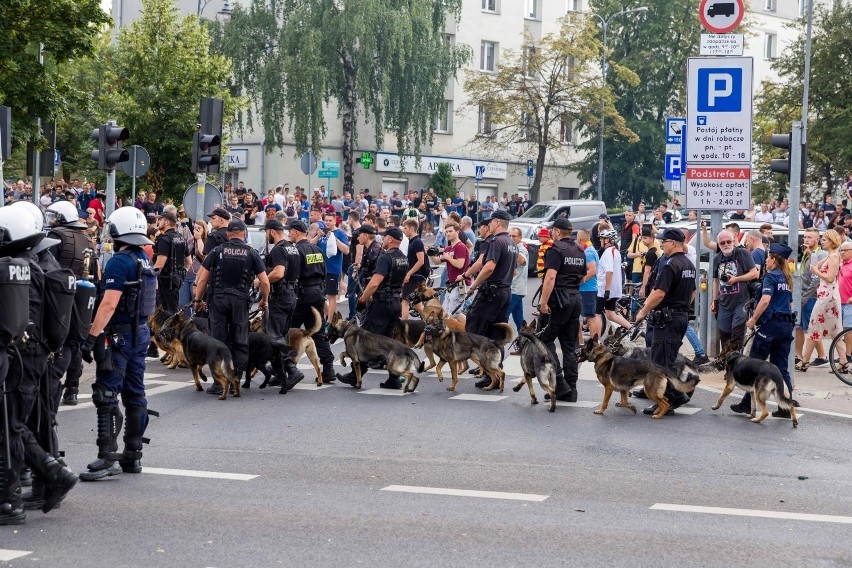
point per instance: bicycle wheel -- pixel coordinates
(833, 358)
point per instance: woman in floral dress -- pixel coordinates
(826, 322)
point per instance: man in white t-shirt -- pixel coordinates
(763, 216)
(610, 281)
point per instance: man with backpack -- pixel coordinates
(171, 261)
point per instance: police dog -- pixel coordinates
(761, 379)
(536, 362)
(456, 347)
(200, 350)
(361, 346)
(300, 340)
(618, 343)
(172, 349)
(408, 332)
(621, 374)
(427, 303)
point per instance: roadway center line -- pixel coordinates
(752, 513)
(465, 493)
(195, 473)
(7, 555)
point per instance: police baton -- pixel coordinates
(6, 466)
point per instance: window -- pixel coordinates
(529, 54)
(566, 131)
(443, 123)
(532, 9)
(489, 6)
(573, 6)
(484, 122)
(528, 129)
(769, 5)
(488, 56)
(769, 46)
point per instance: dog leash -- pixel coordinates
(460, 306)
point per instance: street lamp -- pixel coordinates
(605, 25)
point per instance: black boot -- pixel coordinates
(565, 391)
(69, 396)
(294, 375)
(12, 511)
(152, 350)
(134, 430)
(349, 378)
(58, 481)
(25, 479)
(110, 420)
(34, 498)
(392, 382)
(328, 374)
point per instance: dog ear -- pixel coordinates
(594, 339)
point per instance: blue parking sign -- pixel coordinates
(720, 89)
(673, 167)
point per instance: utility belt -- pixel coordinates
(661, 317)
(242, 294)
(561, 296)
(779, 317)
(123, 327)
(389, 293)
(280, 290)
(489, 290)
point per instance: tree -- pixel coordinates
(386, 60)
(655, 46)
(443, 182)
(152, 81)
(535, 97)
(67, 30)
(830, 102)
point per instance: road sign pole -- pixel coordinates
(110, 193)
(133, 177)
(795, 195)
(199, 200)
(36, 166)
(2, 179)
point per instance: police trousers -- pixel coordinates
(564, 325)
(666, 344)
(773, 340)
(229, 314)
(303, 316)
(382, 314)
(280, 314)
(483, 314)
(69, 363)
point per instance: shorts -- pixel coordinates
(606, 305)
(847, 316)
(332, 284)
(805, 318)
(589, 307)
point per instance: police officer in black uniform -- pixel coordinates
(172, 260)
(230, 270)
(311, 294)
(372, 248)
(283, 267)
(564, 268)
(75, 253)
(494, 281)
(19, 236)
(382, 296)
(667, 309)
(219, 219)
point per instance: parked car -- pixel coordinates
(582, 213)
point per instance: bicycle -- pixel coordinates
(834, 359)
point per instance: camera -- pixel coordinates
(434, 251)
(724, 278)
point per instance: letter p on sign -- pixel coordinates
(720, 90)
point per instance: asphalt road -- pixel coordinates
(316, 472)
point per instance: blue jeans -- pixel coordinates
(692, 337)
(636, 278)
(516, 310)
(351, 295)
(185, 294)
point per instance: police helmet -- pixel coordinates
(608, 234)
(63, 213)
(17, 232)
(128, 225)
(34, 211)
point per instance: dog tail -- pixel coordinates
(508, 334)
(317, 322)
(686, 385)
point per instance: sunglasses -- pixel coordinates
(723, 243)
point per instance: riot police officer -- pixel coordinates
(26, 365)
(311, 295)
(118, 342)
(283, 265)
(75, 253)
(230, 270)
(667, 308)
(564, 268)
(494, 281)
(382, 296)
(774, 315)
(171, 260)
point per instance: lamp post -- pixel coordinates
(605, 26)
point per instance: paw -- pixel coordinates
(517, 387)
(552, 408)
(715, 407)
(657, 417)
(451, 389)
(534, 401)
(756, 420)
(440, 379)
(631, 408)
(199, 388)
(599, 411)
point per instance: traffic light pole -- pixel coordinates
(199, 200)
(795, 196)
(36, 168)
(2, 179)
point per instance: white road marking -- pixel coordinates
(752, 513)
(147, 376)
(7, 555)
(165, 386)
(690, 410)
(305, 366)
(478, 397)
(384, 392)
(202, 474)
(310, 387)
(465, 493)
(578, 404)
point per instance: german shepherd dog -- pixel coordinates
(172, 350)
(536, 362)
(456, 347)
(428, 304)
(761, 379)
(408, 332)
(300, 341)
(201, 349)
(361, 346)
(621, 374)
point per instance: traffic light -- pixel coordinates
(110, 153)
(782, 165)
(205, 152)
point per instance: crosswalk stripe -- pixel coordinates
(164, 387)
(478, 397)
(465, 493)
(7, 555)
(196, 473)
(384, 392)
(311, 387)
(752, 513)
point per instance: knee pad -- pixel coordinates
(102, 396)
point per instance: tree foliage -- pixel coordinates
(67, 29)
(655, 45)
(152, 81)
(443, 182)
(830, 103)
(386, 61)
(551, 86)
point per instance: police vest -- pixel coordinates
(573, 266)
(782, 295)
(392, 283)
(177, 254)
(292, 266)
(60, 285)
(72, 249)
(680, 294)
(231, 274)
(313, 265)
(139, 297)
(368, 262)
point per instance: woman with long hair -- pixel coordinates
(199, 235)
(825, 322)
(820, 223)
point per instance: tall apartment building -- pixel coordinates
(490, 28)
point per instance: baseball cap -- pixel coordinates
(394, 233)
(367, 230)
(219, 212)
(274, 224)
(500, 214)
(603, 216)
(298, 225)
(235, 226)
(673, 235)
(169, 215)
(563, 224)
